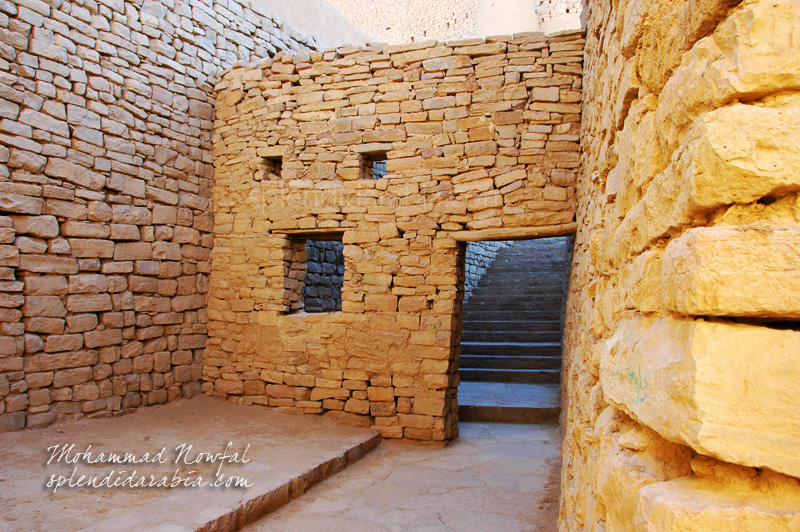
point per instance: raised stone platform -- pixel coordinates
(286, 455)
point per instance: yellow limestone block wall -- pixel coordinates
(479, 136)
(682, 346)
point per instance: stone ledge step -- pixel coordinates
(509, 362)
(253, 509)
(552, 349)
(509, 273)
(512, 316)
(502, 325)
(286, 454)
(509, 414)
(510, 375)
(529, 305)
(476, 335)
(519, 295)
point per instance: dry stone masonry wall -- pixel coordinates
(322, 285)
(480, 138)
(479, 256)
(560, 15)
(682, 351)
(105, 186)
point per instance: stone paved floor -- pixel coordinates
(282, 449)
(494, 478)
(511, 394)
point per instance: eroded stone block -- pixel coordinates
(740, 271)
(725, 389)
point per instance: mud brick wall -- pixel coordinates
(105, 184)
(478, 135)
(682, 350)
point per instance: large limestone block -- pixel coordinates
(755, 52)
(723, 271)
(698, 505)
(727, 390)
(721, 163)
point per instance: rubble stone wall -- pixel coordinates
(105, 185)
(480, 138)
(322, 285)
(560, 15)
(477, 259)
(682, 349)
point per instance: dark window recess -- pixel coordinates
(272, 169)
(374, 165)
(322, 290)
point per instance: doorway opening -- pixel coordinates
(512, 328)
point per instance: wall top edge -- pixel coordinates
(306, 56)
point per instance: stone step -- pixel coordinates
(534, 303)
(510, 375)
(476, 335)
(509, 414)
(544, 349)
(547, 268)
(542, 271)
(513, 285)
(520, 293)
(511, 316)
(503, 325)
(509, 362)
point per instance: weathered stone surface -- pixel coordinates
(688, 131)
(48, 264)
(709, 385)
(41, 226)
(18, 203)
(99, 164)
(740, 271)
(706, 505)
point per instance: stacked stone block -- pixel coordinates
(105, 184)
(322, 285)
(478, 136)
(477, 259)
(682, 349)
(560, 15)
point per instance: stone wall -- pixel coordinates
(560, 15)
(105, 185)
(322, 284)
(413, 20)
(477, 259)
(682, 351)
(481, 142)
(418, 20)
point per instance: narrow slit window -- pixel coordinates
(374, 165)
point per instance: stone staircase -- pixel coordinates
(512, 328)
(512, 322)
